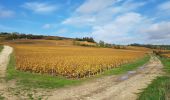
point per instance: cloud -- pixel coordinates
(40, 7)
(92, 6)
(158, 31)
(164, 6)
(94, 12)
(4, 13)
(80, 20)
(110, 20)
(163, 10)
(128, 5)
(120, 22)
(63, 30)
(118, 30)
(47, 26)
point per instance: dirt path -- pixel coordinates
(4, 59)
(122, 87)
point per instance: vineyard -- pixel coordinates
(167, 55)
(164, 53)
(70, 61)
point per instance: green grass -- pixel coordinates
(127, 67)
(166, 63)
(46, 81)
(36, 80)
(1, 97)
(159, 89)
(1, 47)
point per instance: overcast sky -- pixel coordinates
(114, 21)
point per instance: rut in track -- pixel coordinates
(124, 87)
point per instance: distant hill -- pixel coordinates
(16, 35)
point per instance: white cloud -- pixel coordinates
(158, 31)
(47, 26)
(40, 7)
(120, 23)
(4, 13)
(62, 31)
(94, 12)
(92, 6)
(80, 20)
(110, 20)
(129, 5)
(163, 9)
(118, 30)
(164, 6)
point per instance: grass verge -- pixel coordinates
(46, 81)
(159, 89)
(1, 97)
(127, 67)
(1, 47)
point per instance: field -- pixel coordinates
(60, 58)
(167, 55)
(164, 53)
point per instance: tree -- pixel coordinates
(101, 43)
(88, 39)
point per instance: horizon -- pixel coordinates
(141, 44)
(113, 21)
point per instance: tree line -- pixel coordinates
(161, 47)
(16, 35)
(88, 39)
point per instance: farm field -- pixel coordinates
(60, 58)
(85, 50)
(167, 54)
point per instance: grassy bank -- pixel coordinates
(159, 89)
(127, 67)
(1, 47)
(47, 81)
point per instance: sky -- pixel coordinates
(113, 21)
